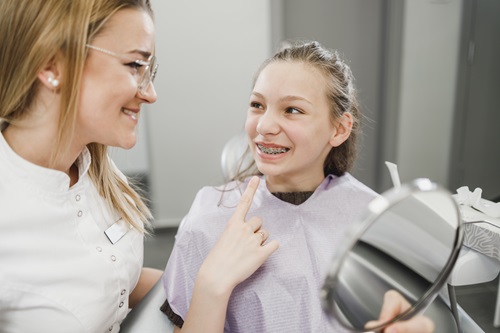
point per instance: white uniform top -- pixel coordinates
(58, 270)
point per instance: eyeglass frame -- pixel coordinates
(151, 67)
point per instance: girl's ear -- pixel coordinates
(50, 75)
(342, 130)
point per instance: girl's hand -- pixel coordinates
(240, 250)
(395, 304)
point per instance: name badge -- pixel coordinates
(117, 230)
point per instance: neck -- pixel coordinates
(35, 143)
(286, 183)
(34, 136)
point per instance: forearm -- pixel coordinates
(148, 278)
(207, 311)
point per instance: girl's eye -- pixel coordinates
(293, 110)
(256, 105)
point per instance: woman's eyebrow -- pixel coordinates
(145, 54)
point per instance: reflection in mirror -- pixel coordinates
(408, 240)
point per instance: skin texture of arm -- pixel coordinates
(148, 278)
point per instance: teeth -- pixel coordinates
(130, 113)
(273, 151)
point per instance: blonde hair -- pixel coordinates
(341, 95)
(35, 32)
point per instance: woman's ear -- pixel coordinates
(50, 75)
(342, 130)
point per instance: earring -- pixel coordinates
(53, 82)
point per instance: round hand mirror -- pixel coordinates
(407, 240)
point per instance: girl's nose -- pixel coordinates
(268, 124)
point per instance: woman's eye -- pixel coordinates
(134, 65)
(293, 110)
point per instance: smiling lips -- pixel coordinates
(130, 113)
(272, 150)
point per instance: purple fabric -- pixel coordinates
(283, 294)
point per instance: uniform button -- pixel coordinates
(113, 258)
(121, 304)
(80, 213)
(99, 249)
(77, 197)
(123, 291)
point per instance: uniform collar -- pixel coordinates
(43, 178)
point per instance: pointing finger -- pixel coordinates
(246, 200)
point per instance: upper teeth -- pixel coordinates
(130, 113)
(270, 150)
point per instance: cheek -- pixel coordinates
(251, 125)
(107, 86)
(307, 138)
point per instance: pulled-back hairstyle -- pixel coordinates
(341, 95)
(35, 32)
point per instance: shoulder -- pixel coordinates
(219, 198)
(349, 186)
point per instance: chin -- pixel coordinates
(127, 145)
(269, 170)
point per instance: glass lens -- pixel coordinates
(148, 76)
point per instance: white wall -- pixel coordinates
(428, 82)
(208, 52)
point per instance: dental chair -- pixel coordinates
(233, 158)
(473, 267)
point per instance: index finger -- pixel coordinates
(246, 199)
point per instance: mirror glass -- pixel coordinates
(407, 240)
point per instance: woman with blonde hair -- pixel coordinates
(74, 75)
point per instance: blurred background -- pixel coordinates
(427, 71)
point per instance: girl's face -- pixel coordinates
(110, 103)
(289, 127)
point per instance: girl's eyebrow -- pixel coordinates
(289, 98)
(257, 94)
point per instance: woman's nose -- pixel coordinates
(149, 95)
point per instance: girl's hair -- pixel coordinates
(35, 32)
(341, 95)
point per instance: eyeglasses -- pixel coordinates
(145, 69)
